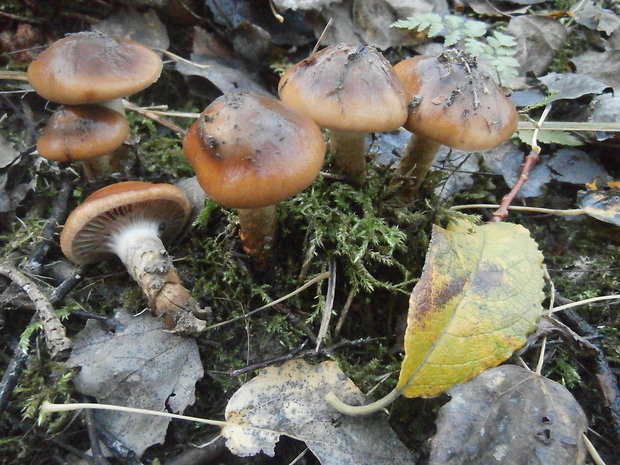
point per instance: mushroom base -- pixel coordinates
(414, 165)
(257, 232)
(147, 261)
(349, 151)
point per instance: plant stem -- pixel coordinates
(569, 212)
(349, 152)
(414, 165)
(359, 410)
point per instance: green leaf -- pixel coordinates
(479, 296)
(475, 28)
(550, 137)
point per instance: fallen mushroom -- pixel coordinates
(453, 103)
(351, 90)
(83, 133)
(132, 220)
(251, 152)
(91, 67)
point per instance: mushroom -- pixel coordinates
(350, 90)
(83, 133)
(91, 67)
(132, 220)
(453, 103)
(251, 152)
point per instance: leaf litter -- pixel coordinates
(136, 364)
(289, 400)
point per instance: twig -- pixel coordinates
(583, 302)
(530, 160)
(316, 279)
(571, 126)
(151, 114)
(12, 374)
(605, 377)
(116, 446)
(94, 440)
(54, 331)
(329, 305)
(299, 353)
(201, 455)
(344, 312)
(596, 458)
(569, 212)
(34, 264)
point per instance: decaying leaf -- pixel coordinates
(137, 364)
(478, 298)
(575, 166)
(145, 28)
(571, 85)
(511, 416)
(590, 63)
(289, 400)
(538, 40)
(603, 205)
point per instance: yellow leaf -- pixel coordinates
(479, 296)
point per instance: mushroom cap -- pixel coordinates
(91, 227)
(348, 88)
(82, 132)
(251, 151)
(455, 103)
(90, 67)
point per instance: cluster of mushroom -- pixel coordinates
(89, 73)
(250, 152)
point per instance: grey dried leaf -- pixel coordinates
(604, 205)
(571, 85)
(511, 416)
(595, 17)
(226, 75)
(145, 28)
(137, 364)
(575, 166)
(538, 40)
(602, 66)
(549, 326)
(605, 108)
(8, 152)
(289, 400)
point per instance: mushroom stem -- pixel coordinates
(414, 165)
(349, 151)
(142, 252)
(257, 232)
(100, 166)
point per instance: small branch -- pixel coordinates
(329, 305)
(155, 116)
(569, 212)
(34, 264)
(299, 353)
(54, 331)
(582, 302)
(596, 458)
(316, 279)
(530, 160)
(570, 126)
(344, 312)
(11, 375)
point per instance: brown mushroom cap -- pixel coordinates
(90, 228)
(348, 88)
(455, 103)
(251, 151)
(82, 132)
(90, 67)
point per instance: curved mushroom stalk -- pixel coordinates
(257, 230)
(147, 261)
(133, 220)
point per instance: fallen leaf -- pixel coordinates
(538, 40)
(590, 63)
(564, 138)
(603, 205)
(478, 298)
(8, 152)
(571, 85)
(136, 364)
(511, 416)
(605, 108)
(549, 326)
(145, 28)
(289, 400)
(595, 17)
(226, 75)
(575, 166)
